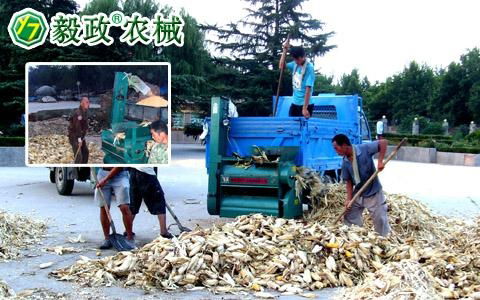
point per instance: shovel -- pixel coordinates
(76, 154)
(177, 221)
(284, 53)
(118, 241)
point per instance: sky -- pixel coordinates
(378, 37)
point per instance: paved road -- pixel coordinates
(449, 190)
(38, 106)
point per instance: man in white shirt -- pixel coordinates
(379, 129)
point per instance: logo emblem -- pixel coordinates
(28, 28)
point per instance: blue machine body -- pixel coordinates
(332, 114)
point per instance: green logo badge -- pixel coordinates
(28, 28)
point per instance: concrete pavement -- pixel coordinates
(38, 106)
(448, 190)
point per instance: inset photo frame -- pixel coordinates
(97, 114)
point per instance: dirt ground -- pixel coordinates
(58, 126)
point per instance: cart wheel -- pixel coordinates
(64, 185)
(52, 175)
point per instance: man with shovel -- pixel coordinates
(357, 168)
(77, 129)
(303, 79)
(144, 186)
(114, 181)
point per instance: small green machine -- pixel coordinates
(267, 188)
(126, 141)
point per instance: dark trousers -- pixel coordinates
(296, 110)
(82, 155)
(145, 187)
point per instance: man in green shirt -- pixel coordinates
(159, 152)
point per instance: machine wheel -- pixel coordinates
(52, 175)
(64, 185)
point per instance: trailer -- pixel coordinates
(289, 141)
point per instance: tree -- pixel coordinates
(251, 49)
(474, 101)
(191, 65)
(350, 84)
(324, 84)
(13, 58)
(471, 64)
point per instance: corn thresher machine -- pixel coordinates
(267, 186)
(126, 140)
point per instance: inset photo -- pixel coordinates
(96, 114)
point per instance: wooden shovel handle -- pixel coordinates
(105, 205)
(284, 53)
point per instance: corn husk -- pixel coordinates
(408, 217)
(61, 250)
(43, 294)
(154, 101)
(402, 280)
(257, 253)
(56, 149)
(149, 147)
(76, 239)
(5, 291)
(258, 158)
(449, 270)
(249, 254)
(59, 126)
(17, 232)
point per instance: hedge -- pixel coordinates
(419, 136)
(12, 141)
(458, 149)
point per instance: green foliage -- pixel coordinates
(458, 148)
(191, 68)
(14, 130)
(351, 84)
(105, 6)
(252, 48)
(324, 84)
(403, 95)
(12, 141)
(432, 128)
(193, 130)
(474, 101)
(405, 126)
(429, 143)
(66, 77)
(247, 71)
(474, 137)
(460, 132)
(400, 136)
(442, 143)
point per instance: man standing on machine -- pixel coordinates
(303, 79)
(77, 130)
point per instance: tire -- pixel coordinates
(52, 175)
(64, 185)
